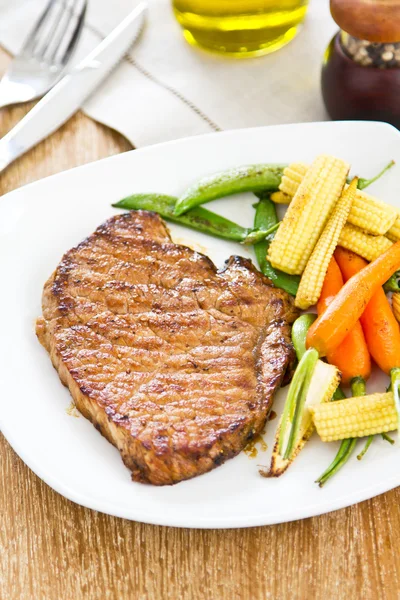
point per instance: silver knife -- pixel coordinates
(68, 95)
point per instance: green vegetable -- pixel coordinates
(363, 183)
(294, 405)
(345, 451)
(392, 284)
(338, 395)
(247, 178)
(299, 333)
(365, 449)
(256, 235)
(394, 373)
(387, 438)
(197, 218)
(265, 218)
(296, 398)
(358, 388)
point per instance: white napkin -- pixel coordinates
(166, 89)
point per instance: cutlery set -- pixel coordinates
(40, 70)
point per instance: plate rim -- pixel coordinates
(225, 133)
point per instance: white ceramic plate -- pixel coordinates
(38, 223)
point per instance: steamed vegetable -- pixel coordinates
(198, 218)
(351, 357)
(364, 183)
(380, 327)
(355, 417)
(396, 306)
(367, 213)
(307, 214)
(394, 232)
(313, 382)
(313, 276)
(331, 328)
(247, 178)
(367, 246)
(392, 284)
(265, 218)
(347, 446)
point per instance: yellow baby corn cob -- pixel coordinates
(371, 214)
(281, 198)
(314, 274)
(394, 232)
(367, 212)
(307, 214)
(367, 246)
(355, 417)
(292, 176)
(396, 305)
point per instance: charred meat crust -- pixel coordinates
(175, 363)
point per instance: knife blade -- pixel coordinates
(68, 95)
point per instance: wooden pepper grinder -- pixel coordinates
(361, 70)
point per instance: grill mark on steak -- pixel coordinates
(174, 362)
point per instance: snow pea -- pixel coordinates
(265, 218)
(197, 218)
(247, 178)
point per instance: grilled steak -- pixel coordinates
(174, 362)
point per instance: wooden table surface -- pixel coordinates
(52, 549)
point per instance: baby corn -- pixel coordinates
(394, 232)
(367, 246)
(355, 417)
(314, 274)
(367, 212)
(292, 176)
(281, 198)
(307, 214)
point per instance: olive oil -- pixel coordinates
(240, 27)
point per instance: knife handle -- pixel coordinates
(38, 123)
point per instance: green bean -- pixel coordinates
(197, 218)
(365, 449)
(247, 178)
(363, 183)
(347, 447)
(341, 458)
(265, 218)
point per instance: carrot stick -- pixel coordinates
(330, 329)
(380, 327)
(351, 357)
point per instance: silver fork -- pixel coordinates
(46, 52)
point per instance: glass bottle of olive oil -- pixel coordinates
(240, 27)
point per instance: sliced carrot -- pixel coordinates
(330, 329)
(351, 357)
(380, 327)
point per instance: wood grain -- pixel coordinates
(52, 549)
